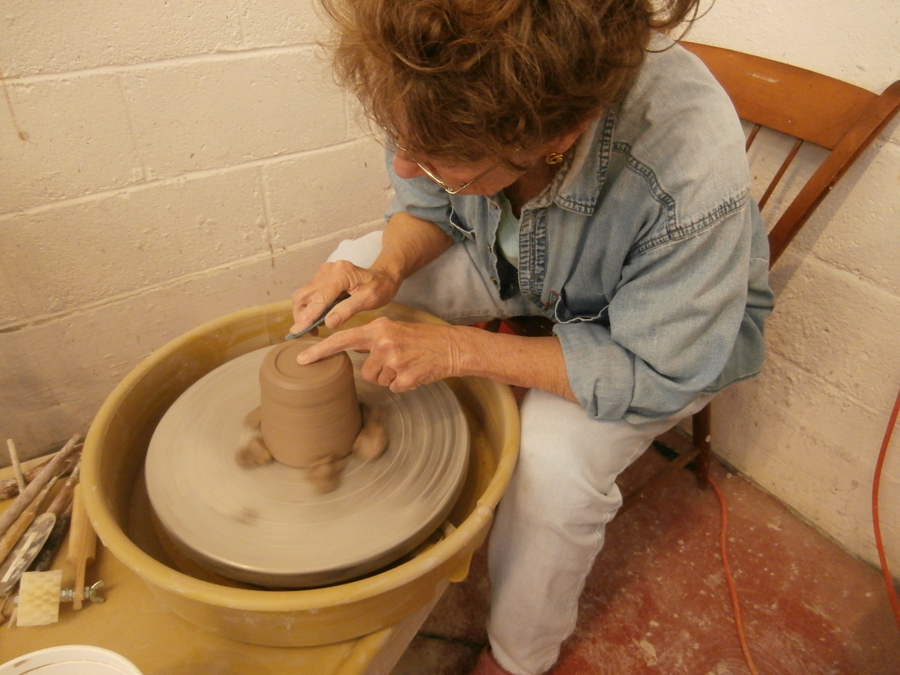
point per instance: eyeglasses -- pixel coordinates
(433, 176)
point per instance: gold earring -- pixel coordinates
(553, 158)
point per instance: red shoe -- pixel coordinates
(488, 666)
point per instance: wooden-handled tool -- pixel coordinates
(82, 545)
(13, 533)
(49, 470)
(30, 544)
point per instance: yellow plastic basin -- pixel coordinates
(112, 464)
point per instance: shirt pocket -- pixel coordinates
(585, 313)
(460, 225)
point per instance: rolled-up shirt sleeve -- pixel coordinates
(670, 327)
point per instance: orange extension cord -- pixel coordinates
(878, 542)
(875, 486)
(723, 541)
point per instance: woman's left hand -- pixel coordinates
(402, 355)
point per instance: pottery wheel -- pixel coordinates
(267, 525)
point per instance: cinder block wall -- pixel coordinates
(809, 429)
(164, 163)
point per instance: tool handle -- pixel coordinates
(64, 497)
(50, 469)
(44, 559)
(82, 545)
(14, 532)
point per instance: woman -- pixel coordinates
(562, 159)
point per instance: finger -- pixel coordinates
(371, 369)
(342, 312)
(386, 377)
(360, 299)
(307, 312)
(352, 338)
(407, 382)
(313, 312)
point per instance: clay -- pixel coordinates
(255, 453)
(253, 419)
(325, 475)
(372, 439)
(310, 414)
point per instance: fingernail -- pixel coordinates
(303, 359)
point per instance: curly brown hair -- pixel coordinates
(465, 80)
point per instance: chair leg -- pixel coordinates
(701, 430)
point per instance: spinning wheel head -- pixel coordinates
(267, 525)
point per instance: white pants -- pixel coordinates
(551, 521)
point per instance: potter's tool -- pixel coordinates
(60, 510)
(15, 531)
(17, 468)
(38, 601)
(267, 525)
(44, 559)
(26, 550)
(40, 594)
(53, 468)
(319, 321)
(9, 488)
(82, 545)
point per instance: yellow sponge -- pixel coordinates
(39, 598)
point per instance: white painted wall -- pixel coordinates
(165, 162)
(162, 163)
(809, 429)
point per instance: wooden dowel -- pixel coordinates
(50, 469)
(17, 468)
(9, 488)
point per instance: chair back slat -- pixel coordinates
(778, 174)
(779, 96)
(808, 106)
(752, 136)
(866, 129)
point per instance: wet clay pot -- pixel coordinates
(310, 414)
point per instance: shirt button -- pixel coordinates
(494, 279)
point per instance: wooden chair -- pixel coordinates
(811, 109)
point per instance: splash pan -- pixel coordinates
(116, 448)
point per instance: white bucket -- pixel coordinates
(70, 660)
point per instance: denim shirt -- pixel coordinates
(646, 249)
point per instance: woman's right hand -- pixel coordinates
(369, 288)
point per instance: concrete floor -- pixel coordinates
(657, 600)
